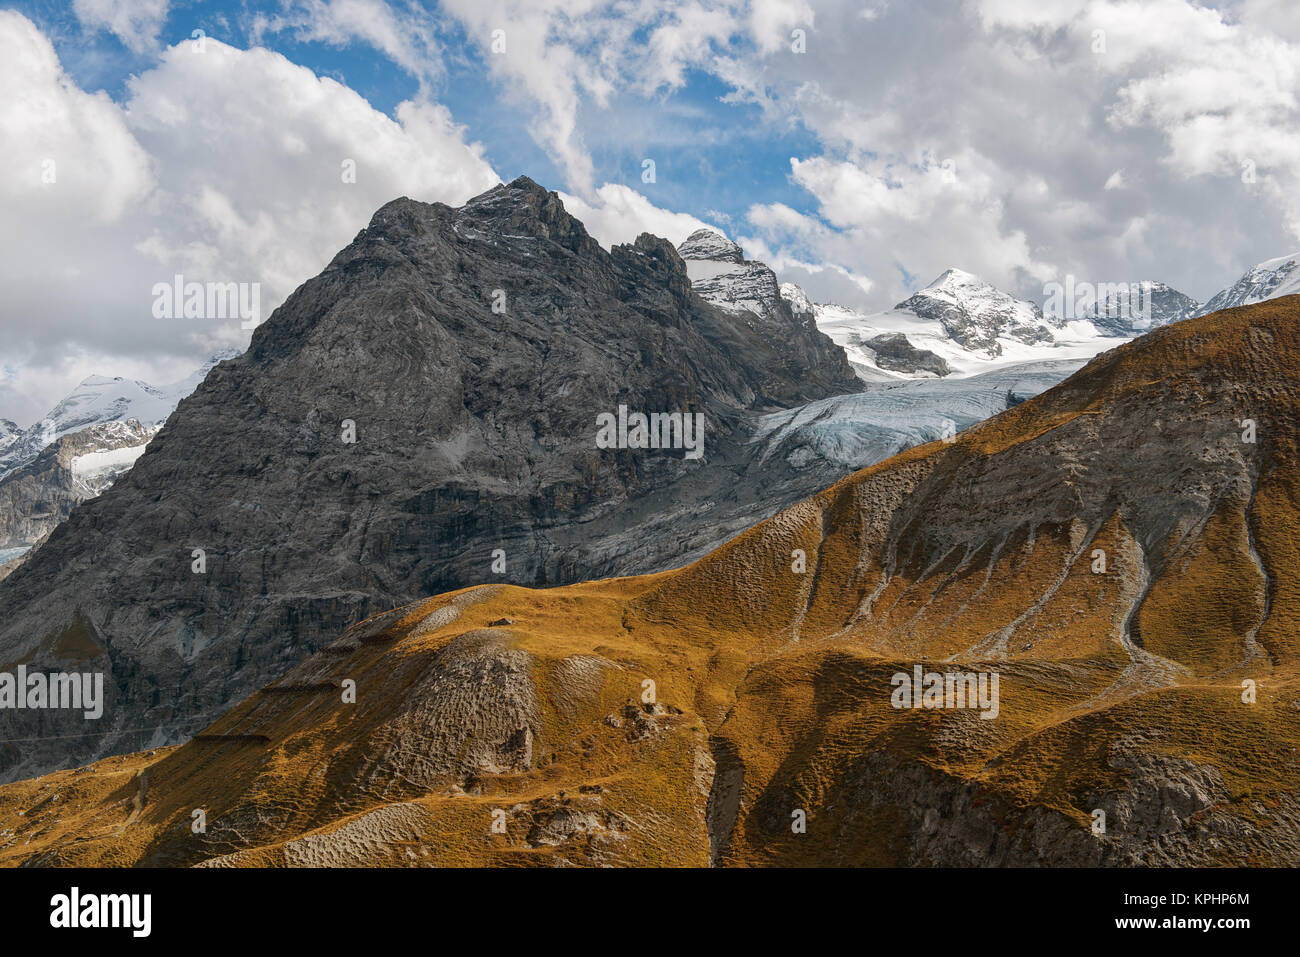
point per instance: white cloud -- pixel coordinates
(67, 153)
(1043, 132)
(261, 183)
(224, 165)
(405, 36)
(887, 219)
(136, 23)
(560, 55)
(619, 214)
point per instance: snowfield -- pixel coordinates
(97, 470)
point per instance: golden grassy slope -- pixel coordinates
(1120, 689)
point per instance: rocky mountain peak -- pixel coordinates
(711, 246)
(522, 207)
(1164, 304)
(976, 313)
(799, 302)
(1267, 280)
(508, 213)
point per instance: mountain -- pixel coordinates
(961, 325)
(38, 495)
(1267, 280)
(98, 400)
(720, 274)
(9, 433)
(898, 345)
(1103, 574)
(1163, 303)
(423, 415)
(976, 314)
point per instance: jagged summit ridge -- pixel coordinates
(711, 246)
(721, 274)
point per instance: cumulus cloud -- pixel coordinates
(562, 55)
(1037, 138)
(225, 165)
(405, 36)
(136, 23)
(1021, 139)
(618, 214)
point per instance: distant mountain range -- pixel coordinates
(961, 325)
(1267, 280)
(76, 451)
(98, 399)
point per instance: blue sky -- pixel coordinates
(711, 156)
(1017, 140)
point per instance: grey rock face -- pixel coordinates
(895, 352)
(474, 432)
(720, 274)
(705, 245)
(1169, 814)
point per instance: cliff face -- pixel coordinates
(1119, 552)
(419, 417)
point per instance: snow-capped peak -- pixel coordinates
(799, 302)
(976, 313)
(99, 399)
(969, 291)
(721, 274)
(1267, 280)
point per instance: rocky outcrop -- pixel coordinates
(720, 274)
(894, 352)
